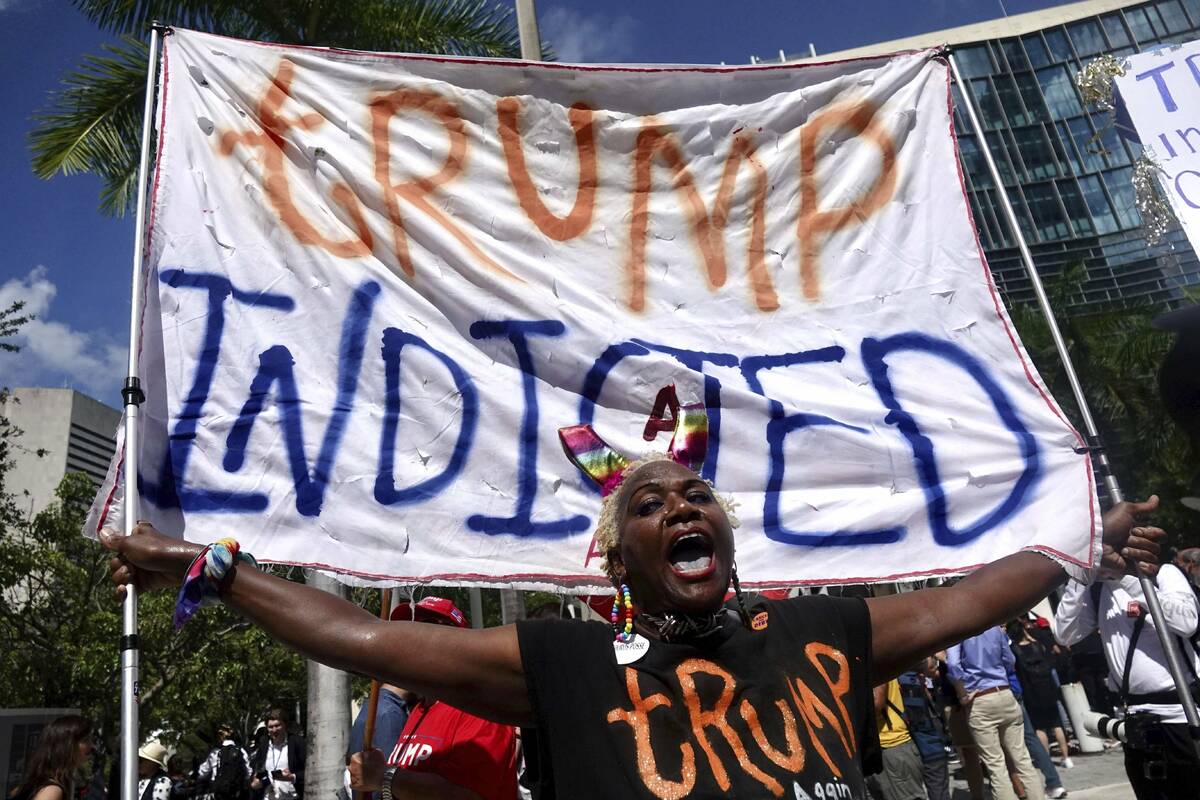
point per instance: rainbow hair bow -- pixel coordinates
(604, 465)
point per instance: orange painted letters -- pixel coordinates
(707, 229)
(576, 223)
(639, 720)
(275, 182)
(815, 225)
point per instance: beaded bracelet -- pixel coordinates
(205, 576)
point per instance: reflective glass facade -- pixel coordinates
(1067, 173)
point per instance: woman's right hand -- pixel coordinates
(146, 559)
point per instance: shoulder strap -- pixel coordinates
(1138, 624)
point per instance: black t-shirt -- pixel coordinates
(785, 711)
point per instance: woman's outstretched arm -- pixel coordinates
(906, 627)
(478, 671)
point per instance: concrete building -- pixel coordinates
(71, 431)
(1067, 172)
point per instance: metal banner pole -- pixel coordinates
(133, 396)
(1169, 646)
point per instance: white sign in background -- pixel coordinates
(378, 284)
(1160, 91)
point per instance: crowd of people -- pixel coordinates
(696, 689)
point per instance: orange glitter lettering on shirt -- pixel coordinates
(707, 229)
(815, 225)
(271, 142)
(416, 191)
(814, 651)
(791, 760)
(815, 714)
(576, 222)
(716, 718)
(639, 720)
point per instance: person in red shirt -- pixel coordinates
(445, 753)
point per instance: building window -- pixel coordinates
(989, 103)
(1059, 92)
(1193, 9)
(1039, 56)
(1072, 156)
(1010, 101)
(1000, 156)
(1060, 48)
(1113, 146)
(1141, 22)
(1048, 217)
(1120, 189)
(1035, 152)
(1014, 54)
(1077, 211)
(1115, 28)
(1087, 38)
(973, 162)
(1172, 16)
(1087, 144)
(975, 62)
(1031, 94)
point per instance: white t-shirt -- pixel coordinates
(1077, 617)
(276, 757)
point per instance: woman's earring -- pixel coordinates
(622, 632)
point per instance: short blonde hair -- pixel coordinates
(608, 536)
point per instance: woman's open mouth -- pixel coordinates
(691, 555)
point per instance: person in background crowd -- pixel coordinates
(926, 727)
(1035, 670)
(901, 776)
(1189, 562)
(153, 783)
(225, 774)
(960, 731)
(390, 715)
(277, 768)
(979, 669)
(183, 780)
(1037, 751)
(1159, 758)
(444, 753)
(64, 746)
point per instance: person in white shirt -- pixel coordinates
(279, 764)
(234, 786)
(1138, 670)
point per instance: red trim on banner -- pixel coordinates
(1012, 338)
(521, 64)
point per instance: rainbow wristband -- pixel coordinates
(202, 581)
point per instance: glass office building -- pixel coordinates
(1067, 172)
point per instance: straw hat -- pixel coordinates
(154, 752)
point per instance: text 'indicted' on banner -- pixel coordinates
(378, 284)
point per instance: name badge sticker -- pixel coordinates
(629, 652)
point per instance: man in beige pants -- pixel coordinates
(979, 668)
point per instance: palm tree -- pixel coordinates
(92, 123)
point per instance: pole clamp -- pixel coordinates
(130, 642)
(132, 394)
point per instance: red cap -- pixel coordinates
(431, 609)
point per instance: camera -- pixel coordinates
(1141, 731)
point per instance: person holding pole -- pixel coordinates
(1160, 756)
(684, 695)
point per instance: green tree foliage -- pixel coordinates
(1117, 354)
(60, 624)
(93, 122)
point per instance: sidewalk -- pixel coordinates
(1095, 777)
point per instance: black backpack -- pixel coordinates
(230, 781)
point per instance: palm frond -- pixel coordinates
(133, 17)
(452, 27)
(93, 122)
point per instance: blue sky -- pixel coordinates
(72, 264)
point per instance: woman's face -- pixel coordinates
(676, 543)
(84, 749)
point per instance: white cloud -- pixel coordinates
(52, 352)
(587, 38)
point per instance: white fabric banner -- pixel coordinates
(1160, 93)
(378, 284)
